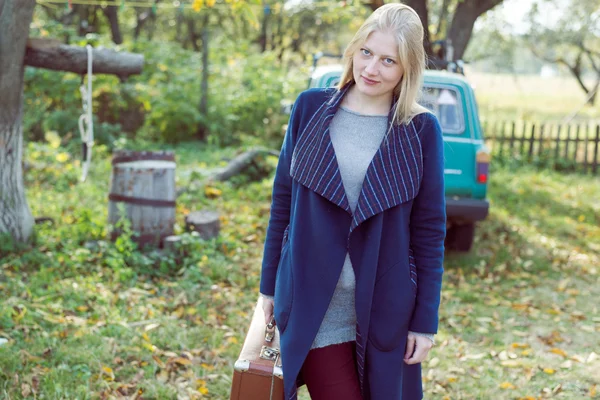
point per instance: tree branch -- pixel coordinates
(49, 54)
(485, 5)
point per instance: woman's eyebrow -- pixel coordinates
(385, 56)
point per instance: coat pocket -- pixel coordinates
(392, 308)
(284, 287)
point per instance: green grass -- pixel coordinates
(531, 98)
(519, 314)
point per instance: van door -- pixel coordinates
(447, 102)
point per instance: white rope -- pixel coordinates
(86, 123)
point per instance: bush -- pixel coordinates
(246, 89)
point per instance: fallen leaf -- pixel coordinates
(512, 363)
(158, 361)
(567, 364)
(180, 360)
(507, 385)
(109, 373)
(549, 371)
(558, 351)
(35, 383)
(25, 390)
(557, 389)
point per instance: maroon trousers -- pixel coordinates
(330, 373)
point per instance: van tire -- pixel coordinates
(460, 237)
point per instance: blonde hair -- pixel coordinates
(404, 23)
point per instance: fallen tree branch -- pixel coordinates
(51, 54)
(235, 166)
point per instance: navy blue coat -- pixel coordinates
(395, 238)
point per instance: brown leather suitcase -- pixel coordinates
(257, 373)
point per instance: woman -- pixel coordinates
(355, 243)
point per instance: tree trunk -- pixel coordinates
(466, 13)
(420, 6)
(262, 39)
(442, 18)
(375, 4)
(112, 15)
(15, 216)
(201, 131)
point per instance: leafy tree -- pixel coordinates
(435, 15)
(571, 40)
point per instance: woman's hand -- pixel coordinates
(417, 348)
(267, 305)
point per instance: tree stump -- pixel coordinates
(171, 242)
(206, 223)
(145, 183)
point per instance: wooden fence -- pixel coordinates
(573, 147)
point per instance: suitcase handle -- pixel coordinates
(270, 330)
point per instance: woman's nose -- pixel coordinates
(371, 67)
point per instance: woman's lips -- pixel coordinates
(368, 81)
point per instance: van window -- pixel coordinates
(446, 105)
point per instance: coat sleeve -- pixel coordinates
(280, 205)
(428, 228)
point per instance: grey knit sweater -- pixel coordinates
(355, 138)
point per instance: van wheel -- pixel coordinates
(460, 237)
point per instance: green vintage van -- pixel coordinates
(451, 98)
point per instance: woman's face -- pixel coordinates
(376, 68)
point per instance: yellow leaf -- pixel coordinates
(520, 345)
(507, 385)
(210, 3)
(207, 367)
(197, 5)
(179, 312)
(190, 311)
(109, 374)
(203, 390)
(581, 218)
(232, 340)
(146, 337)
(53, 139)
(158, 361)
(549, 371)
(592, 390)
(149, 346)
(62, 157)
(182, 361)
(212, 192)
(82, 308)
(558, 351)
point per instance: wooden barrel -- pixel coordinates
(144, 182)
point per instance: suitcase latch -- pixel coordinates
(269, 353)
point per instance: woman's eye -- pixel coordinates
(365, 52)
(389, 61)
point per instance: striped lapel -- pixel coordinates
(314, 164)
(393, 176)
